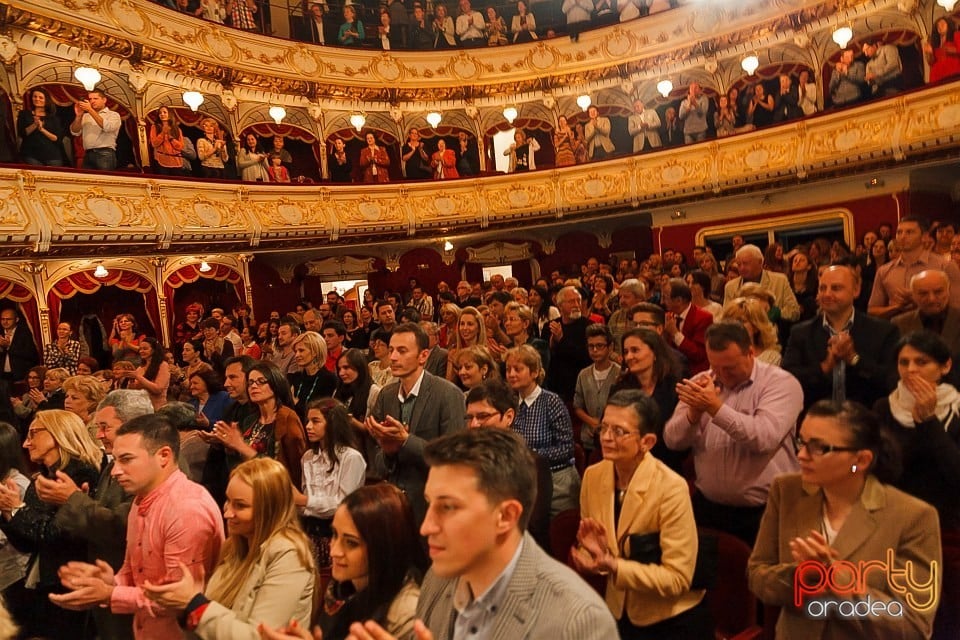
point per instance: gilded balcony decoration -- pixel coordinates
(64, 213)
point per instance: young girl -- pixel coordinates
(332, 469)
(212, 149)
(278, 172)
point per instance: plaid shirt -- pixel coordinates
(544, 423)
(67, 358)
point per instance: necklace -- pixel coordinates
(313, 386)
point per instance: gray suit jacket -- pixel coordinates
(438, 410)
(544, 599)
(437, 362)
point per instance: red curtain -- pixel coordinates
(65, 95)
(383, 137)
(27, 306)
(85, 282)
(527, 124)
(191, 273)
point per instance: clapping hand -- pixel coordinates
(924, 393)
(390, 434)
(176, 594)
(813, 547)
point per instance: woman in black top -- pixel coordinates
(313, 380)
(40, 131)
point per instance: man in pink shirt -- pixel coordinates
(173, 521)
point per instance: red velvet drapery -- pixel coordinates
(191, 273)
(85, 282)
(27, 306)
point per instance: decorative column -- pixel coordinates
(316, 114)
(37, 272)
(138, 81)
(159, 263)
(474, 115)
(245, 260)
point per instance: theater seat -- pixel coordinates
(563, 536)
(733, 607)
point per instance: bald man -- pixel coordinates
(931, 293)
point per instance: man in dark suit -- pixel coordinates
(686, 324)
(315, 27)
(101, 521)
(410, 412)
(437, 360)
(842, 354)
(931, 293)
(481, 487)
(18, 351)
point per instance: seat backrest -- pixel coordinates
(732, 606)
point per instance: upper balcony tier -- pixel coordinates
(700, 40)
(64, 213)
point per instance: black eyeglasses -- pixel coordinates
(816, 448)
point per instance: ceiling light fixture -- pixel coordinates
(510, 113)
(434, 118)
(205, 267)
(842, 36)
(447, 246)
(278, 114)
(100, 272)
(947, 4)
(665, 87)
(193, 99)
(88, 77)
(750, 64)
(357, 120)
(584, 102)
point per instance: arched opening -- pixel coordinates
(355, 141)
(8, 129)
(91, 304)
(540, 130)
(64, 97)
(220, 287)
(304, 148)
(189, 122)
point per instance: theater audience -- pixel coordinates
(923, 413)
(265, 573)
(64, 351)
(942, 50)
(313, 380)
(154, 374)
(207, 396)
(646, 544)
(838, 509)
(739, 417)
(763, 333)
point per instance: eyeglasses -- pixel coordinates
(598, 346)
(618, 432)
(32, 433)
(480, 417)
(256, 382)
(646, 323)
(816, 448)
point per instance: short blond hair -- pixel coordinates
(528, 356)
(88, 387)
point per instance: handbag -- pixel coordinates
(645, 548)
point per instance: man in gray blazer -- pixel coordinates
(481, 489)
(410, 412)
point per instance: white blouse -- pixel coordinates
(325, 489)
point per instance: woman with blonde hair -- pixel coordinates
(58, 442)
(471, 331)
(475, 365)
(83, 394)
(313, 380)
(266, 572)
(53, 391)
(750, 313)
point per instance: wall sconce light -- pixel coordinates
(88, 77)
(665, 87)
(278, 114)
(750, 64)
(100, 272)
(205, 267)
(842, 36)
(434, 118)
(510, 113)
(357, 120)
(193, 99)
(584, 102)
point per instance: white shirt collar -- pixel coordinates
(415, 391)
(530, 399)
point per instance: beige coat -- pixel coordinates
(278, 589)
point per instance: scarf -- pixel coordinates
(902, 403)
